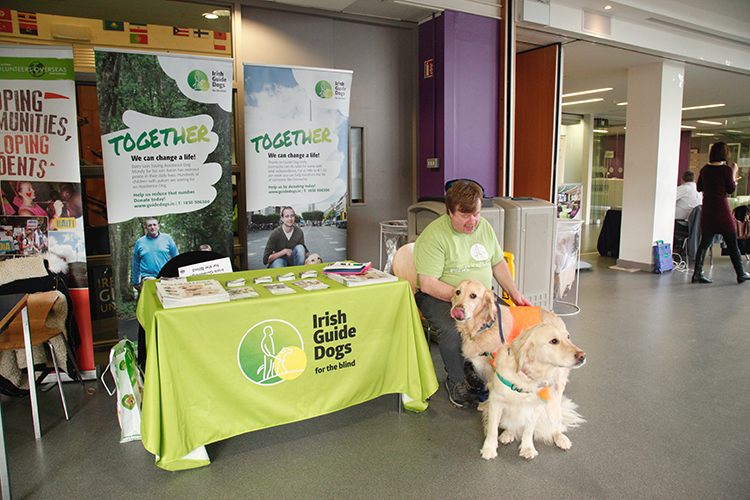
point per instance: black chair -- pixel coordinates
(171, 270)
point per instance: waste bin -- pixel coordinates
(393, 235)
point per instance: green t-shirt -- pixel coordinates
(443, 253)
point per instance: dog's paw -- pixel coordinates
(507, 437)
(562, 442)
(483, 405)
(528, 452)
(489, 452)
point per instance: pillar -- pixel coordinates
(652, 152)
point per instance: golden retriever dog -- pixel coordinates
(526, 391)
(475, 311)
(313, 258)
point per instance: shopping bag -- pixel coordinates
(123, 366)
(662, 257)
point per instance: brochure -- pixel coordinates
(190, 293)
(279, 288)
(346, 267)
(262, 279)
(285, 277)
(311, 273)
(370, 277)
(243, 292)
(311, 284)
(234, 283)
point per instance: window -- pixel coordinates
(356, 165)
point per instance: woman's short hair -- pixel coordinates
(462, 196)
(719, 152)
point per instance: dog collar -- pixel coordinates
(542, 393)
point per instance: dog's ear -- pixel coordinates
(489, 300)
(524, 350)
(486, 306)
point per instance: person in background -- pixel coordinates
(286, 245)
(457, 246)
(151, 252)
(688, 197)
(718, 179)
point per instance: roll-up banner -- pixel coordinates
(296, 152)
(166, 137)
(40, 173)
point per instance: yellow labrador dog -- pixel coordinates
(525, 371)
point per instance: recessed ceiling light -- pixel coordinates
(607, 7)
(687, 126)
(709, 123)
(210, 15)
(587, 92)
(623, 103)
(581, 102)
(222, 12)
(701, 134)
(600, 131)
(704, 107)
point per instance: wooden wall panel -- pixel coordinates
(537, 119)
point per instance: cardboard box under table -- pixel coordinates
(219, 370)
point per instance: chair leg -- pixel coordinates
(59, 382)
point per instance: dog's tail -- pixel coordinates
(557, 420)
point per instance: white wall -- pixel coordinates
(383, 58)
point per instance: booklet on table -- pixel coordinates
(370, 277)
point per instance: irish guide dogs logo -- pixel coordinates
(271, 352)
(198, 80)
(324, 90)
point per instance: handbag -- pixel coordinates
(125, 371)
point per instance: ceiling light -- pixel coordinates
(210, 15)
(600, 131)
(581, 102)
(587, 92)
(687, 126)
(607, 7)
(623, 103)
(222, 12)
(700, 134)
(709, 123)
(704, 107)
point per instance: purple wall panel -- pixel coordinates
(464, 100)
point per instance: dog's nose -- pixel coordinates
(580, 357)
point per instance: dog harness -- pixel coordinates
(523, 318)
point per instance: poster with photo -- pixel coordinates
(166, 136)
(296, 148)
(40, 179)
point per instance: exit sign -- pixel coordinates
(429, 68)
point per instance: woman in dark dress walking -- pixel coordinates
(717, 180)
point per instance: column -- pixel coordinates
(652, 145)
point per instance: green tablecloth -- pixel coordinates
(219, 370)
